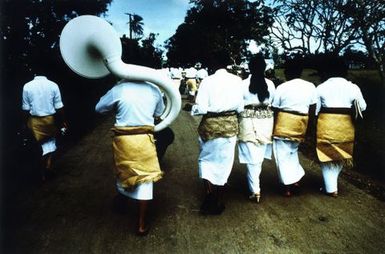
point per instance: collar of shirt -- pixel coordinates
(40, 77)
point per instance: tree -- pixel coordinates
(369, 18)
(331, 26)
(313, 26)
(136, 24)
(152, 56)
(30, 29)
(216, 26)
(29, 38)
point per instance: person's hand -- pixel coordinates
(64, 128)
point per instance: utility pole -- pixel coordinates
(130, 23)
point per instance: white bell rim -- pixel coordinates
(76, 50)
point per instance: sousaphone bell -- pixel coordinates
(91, 47)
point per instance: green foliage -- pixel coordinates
(218, 27)
(147, 54)
(30, 29)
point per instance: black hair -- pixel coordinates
(219, 60)
(332, 66)
(258, 85)
(293, 68)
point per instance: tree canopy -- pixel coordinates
(30, 29)
(331, 27)
(218, 27)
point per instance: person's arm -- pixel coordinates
(160, 107)
(360, 98)
(202, 100)
(106, 103)
(276, 102)
(26, 107)
(59, 107)
(62, 117)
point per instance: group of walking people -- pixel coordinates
(262, 119)
(265, 120)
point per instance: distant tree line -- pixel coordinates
(306, 27)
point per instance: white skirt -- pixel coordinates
(286, 158)
(49, 146)
(143, 191)
(216, 159)
(330, 173)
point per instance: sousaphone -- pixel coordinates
(91, 47)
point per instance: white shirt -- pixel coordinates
(175, 73)
(191, 72)
(135, 104)
(41, 97)
(295, 95)
(250, 98)
(339, 93)
(202, 73)
(219, 92)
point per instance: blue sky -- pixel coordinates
(159, 16)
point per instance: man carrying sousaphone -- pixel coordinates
(135, 104)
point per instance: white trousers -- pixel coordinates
(143, 191)
(330, 173)
(216, 159)
(253, 173)
(286, 157)
(253, 155)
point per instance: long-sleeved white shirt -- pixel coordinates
(338, 92)
(219, 92)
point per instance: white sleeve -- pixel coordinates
(202, 100)
(26, 105)
(159, 105)
(271, 89)
(57, 101)
(359, 97)
(276, 101)
(318, 106)
(106, 103)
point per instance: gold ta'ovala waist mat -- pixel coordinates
(335, 136)
(218, 125)
(135, 155)
(291, 125)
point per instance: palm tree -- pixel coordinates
(136, 24)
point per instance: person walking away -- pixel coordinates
(338, 100)
(256, 124)
(293, 102)
(135, 105)
(42, 108)
(191, 83)
(201, 73)
(219, 99)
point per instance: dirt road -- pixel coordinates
(72, 213)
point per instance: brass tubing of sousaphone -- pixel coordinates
(92, 48)
(136, 72)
